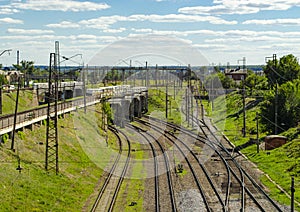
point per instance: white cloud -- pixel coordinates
(64, 24)
(144, 30)
(60, 5)
(122, 29)
(29, 31)
(7, 10)
(179, 18)
(10, 21)
(240, 7)
(104, 22)
(283, 21)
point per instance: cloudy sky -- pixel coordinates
(222, 30)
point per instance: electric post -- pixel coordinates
(156, 75)
(15, 116)
(186, 105)
(276, 108)
(244, 108)
(51, 158)
(292, 194)
(276, 96)
(274, 61)
(257, 135)
(84, 91)
(147, 80)
(1, 99)
(167, 100)
(244, 95)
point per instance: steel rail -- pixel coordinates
(187, 160)
(101, 192)
(166, 159)
(156, 180)
(112, 203)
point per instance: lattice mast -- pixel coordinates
(51, 160)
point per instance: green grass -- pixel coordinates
(27, 99)
(132, 189)
(157, 106)
(83, 154)
(36, 190)
(280, 164)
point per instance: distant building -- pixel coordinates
(274, 141)
(236, 74)
(11, 75)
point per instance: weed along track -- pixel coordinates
(185, 170)
(108, 193)
(164, 192)
(227, 185)
(196, 184)
(244, 192)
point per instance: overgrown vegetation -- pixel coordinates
(157, 105)
(279, 87)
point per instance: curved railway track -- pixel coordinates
(235, 170)
(112, 171)
(245, 176)
(167, 168)
(205, 176)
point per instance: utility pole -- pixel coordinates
(123, 76)
(84, 91)
(274, 60)
(276, 97)
(174, 90)
(244, 96)
(167, 100)
(292, 194)
(156, 75)
(147, 80)
(257, 135)
(18, 57)
(15, 117)
(1, 99)
(51, 158)
(244, 108)
(276, 108)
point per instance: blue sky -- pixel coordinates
(222, 30)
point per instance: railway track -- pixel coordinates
(239, 177)
(159, 193)
(200, 174)
(108, 193)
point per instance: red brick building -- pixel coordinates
(274, 141)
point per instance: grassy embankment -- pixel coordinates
(157, 106)
(82, 157)
(27, 99)
(280, 164)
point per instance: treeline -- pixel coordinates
(279, 87)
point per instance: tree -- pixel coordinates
(27, 68)
(256, 82)
(226, 81)
(3, 80)
(284, 70)
(288, 105)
